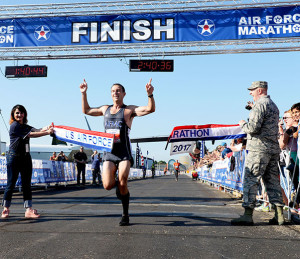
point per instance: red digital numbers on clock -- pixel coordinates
(148, 65)
(25, 71)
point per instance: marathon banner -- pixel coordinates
(237, 24)
(87, 138)
(206, 132)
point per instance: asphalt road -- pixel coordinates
(169, 219)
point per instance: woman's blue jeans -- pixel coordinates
(18, 164)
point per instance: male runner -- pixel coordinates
(176, 168)
(118, 120)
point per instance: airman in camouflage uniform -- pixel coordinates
(263, 155)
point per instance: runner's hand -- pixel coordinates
(83, 87)
(149, 87)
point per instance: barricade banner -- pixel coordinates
(133, 173)
(86, 138)
(88, 172)
(220, 172)
(236, 24)
(206, 132)
(136, 173)
(3, 171)
(45, 171)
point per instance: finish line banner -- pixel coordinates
(237, 24)
(87, 138)
(206, 132)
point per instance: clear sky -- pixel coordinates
(202, 89)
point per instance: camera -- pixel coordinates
(291, 130)
(248, 107)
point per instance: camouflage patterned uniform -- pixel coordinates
(263, 152)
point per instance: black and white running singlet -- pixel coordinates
(116, 124)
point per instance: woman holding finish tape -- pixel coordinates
(18, 159)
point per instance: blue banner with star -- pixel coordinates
(217, 25)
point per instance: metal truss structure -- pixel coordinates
(143, 49)
(132, 6)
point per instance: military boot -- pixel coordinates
(278, 218)
(244, 220)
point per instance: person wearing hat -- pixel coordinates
(263, 155)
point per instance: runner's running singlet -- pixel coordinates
(116, 124)
(176, 166)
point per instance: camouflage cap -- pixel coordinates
(258, 84)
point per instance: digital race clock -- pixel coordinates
(149, 65)
(25, 71)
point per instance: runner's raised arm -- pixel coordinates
(144, 110)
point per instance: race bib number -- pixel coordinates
(182, 147)
(116, 132)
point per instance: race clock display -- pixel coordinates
(149, 65)
(25, 71)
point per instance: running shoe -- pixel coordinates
(124, 221)
(5, 214)
(31, 214)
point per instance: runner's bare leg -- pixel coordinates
(124, 195)
(124, 169)
(109, 175)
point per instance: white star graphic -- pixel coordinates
(42, 33)
(206, 27)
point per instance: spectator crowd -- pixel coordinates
(221, 152)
